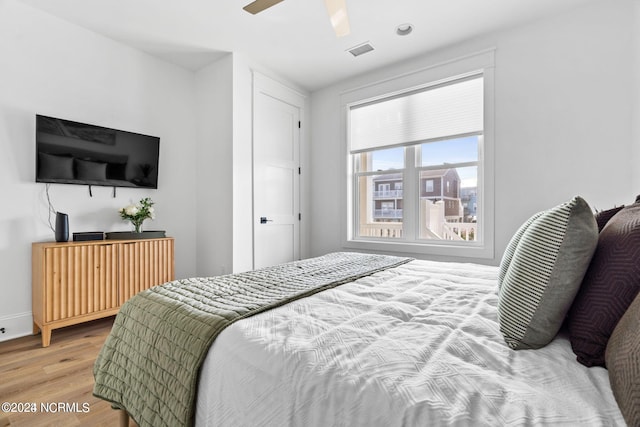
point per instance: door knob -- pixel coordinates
(264, 220)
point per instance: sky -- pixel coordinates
(436, 153)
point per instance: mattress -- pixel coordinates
(414, 345)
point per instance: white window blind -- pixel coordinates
(452, 109)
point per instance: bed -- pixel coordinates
(402, 343)
(418, 344)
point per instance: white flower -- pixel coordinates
(131, 210)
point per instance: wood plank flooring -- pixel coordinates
(59, 374)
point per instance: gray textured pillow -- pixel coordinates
(511, 248)
(623, 363)
(545, 272)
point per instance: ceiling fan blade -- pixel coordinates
(338, 14)
(260, 5)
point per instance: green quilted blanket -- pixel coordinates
(149, 364)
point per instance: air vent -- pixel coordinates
(360, 49)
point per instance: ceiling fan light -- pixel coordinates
(338, 15)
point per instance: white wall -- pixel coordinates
(564, 92)
(51, 67)
(214, 217)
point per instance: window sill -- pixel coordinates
(449, 250)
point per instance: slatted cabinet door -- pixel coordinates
(80, 280)
(144, 264)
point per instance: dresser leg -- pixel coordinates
(124, 418)
(36, 328)
(46, 336)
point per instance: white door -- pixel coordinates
(276, 179)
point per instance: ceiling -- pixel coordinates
(294, 38)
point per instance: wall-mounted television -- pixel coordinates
(69, 152)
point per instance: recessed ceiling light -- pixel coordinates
(404, 29)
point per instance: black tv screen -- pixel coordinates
(69, 152)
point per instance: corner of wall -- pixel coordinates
(242, 165)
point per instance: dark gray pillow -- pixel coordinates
(603, 217)
(610, 285)
(623, 362)
(545, 273)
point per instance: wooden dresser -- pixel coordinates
(74, 282)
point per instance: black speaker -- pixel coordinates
(62, 227)
(88, 235)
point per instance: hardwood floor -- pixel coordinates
(59, 374)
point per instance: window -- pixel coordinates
(429, 186)
(438, 206)
(428, 145)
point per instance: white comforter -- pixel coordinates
(417, 345)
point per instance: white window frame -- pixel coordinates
(481, 62)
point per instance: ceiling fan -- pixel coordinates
(337, 13)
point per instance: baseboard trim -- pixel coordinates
(16, 326)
